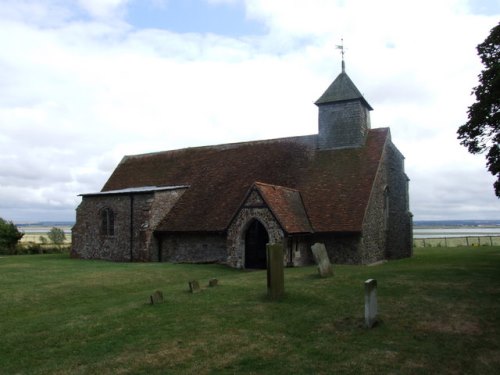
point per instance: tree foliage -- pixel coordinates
(57, 236)
(481, 133)
(9, 237)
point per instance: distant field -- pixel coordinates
(33, 233)
(457, 241)
(449, 236)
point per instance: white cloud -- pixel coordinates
(103, 8)
(78, 95)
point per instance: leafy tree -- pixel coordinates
(481, 133)
(57, 236)
(9, 237)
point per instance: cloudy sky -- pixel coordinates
(84, 82)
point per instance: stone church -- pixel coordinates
(345, 187)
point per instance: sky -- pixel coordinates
(85, 82)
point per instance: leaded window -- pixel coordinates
(107, 222)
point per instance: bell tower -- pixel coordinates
(344, 114)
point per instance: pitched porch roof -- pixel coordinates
(287, 206)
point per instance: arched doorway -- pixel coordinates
(256, 239)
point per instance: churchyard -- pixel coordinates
(437, 313)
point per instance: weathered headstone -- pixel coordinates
(194, 286)
(275, 271)
(321, 258)
(213, 282)
(370, 302)
(156, 297)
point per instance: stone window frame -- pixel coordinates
(107, 222)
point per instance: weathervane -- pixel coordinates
(342, 51)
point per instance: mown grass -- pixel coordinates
(439, 313)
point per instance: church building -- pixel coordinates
(345, 187)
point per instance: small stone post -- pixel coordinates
(370, 302)
(275, 271)
(156, 297)
(194, 286)
(321, 258)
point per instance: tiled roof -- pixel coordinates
(335, 185)
(287, 206)
(342, 89)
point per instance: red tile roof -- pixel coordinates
(334, 185)
(287, 206)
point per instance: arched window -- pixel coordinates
(107, 222)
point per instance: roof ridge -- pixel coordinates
(278, 186)
(225, 146)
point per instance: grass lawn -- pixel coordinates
(439, 311)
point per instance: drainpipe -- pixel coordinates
(131, 227)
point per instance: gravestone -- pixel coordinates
(194, 286)
(213, 282)
(275, 271)
(156, 297)
(321, 258)
(370, 302)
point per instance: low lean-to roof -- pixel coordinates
(287, 206)
(335, 185)
(135, 190)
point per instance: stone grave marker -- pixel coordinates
(321, 258)
(275, 271)
(156, 297)
(194, 286)
(213, 282)
(370, 302)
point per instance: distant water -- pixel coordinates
(455, 228)
(42, 229)
(456, 223)
(455, 232)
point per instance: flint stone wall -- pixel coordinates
(341, 248)
(400, 224)
(135, 217)
(193, 248)
(388, 236)
(253, 208)
(237, 230)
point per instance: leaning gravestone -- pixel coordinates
(370, 302)
(194, 286)
(275, 271)
(156, 297)
(321, 258)
(213, 282)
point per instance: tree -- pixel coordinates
(9, 237)
(481, 133)
(56, 235)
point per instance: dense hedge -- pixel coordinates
(36, 248)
